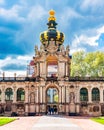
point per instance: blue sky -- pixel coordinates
(22, 21)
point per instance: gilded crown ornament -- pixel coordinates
(52, 34)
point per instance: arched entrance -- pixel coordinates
(52, 100)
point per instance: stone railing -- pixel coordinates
(20, 79)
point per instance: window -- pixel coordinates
(52, 66)
(83, 94)
(8, 94)
(20, 94)
(52, 95)
(95, 94)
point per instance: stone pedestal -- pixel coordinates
(77, 109)
(72, 108)
(26, 109)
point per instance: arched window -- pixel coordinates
(0, 95)
(83, 94)
(52, 95)
(20, 94)
(9, 94)
(95, 94)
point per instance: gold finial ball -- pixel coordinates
(51, 12)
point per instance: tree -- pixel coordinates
(87, 64)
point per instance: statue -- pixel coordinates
(41, 48)
(62, 49)
(36, 50)
(72, 97)
(32, 98)
(67, 49)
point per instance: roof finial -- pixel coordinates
(52, 13)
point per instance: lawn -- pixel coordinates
(5, 120)
(99, 120)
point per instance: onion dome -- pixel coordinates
(52, 34)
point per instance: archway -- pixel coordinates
(52, 100)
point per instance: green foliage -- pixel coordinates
(56, 98)
(87, 64)
(5, 120)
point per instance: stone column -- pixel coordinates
(37, 69)
(101, 94)
(26, 100)
(37, 100)
(77, 100)
(41, 94)
(14, 94)
(60, 98)
(44, 95)
(77, 95)
(63, 94)
(14, 99)
(3, 95)
(26, 94)
(77, 108)
(66, 69)
(89, 95)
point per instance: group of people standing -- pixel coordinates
(52, 110)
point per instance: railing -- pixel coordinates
(20, 79)
(86, 79)
(52, 78)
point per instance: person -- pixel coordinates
(49, 109)
(55, 110)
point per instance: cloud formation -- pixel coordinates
(22, 21)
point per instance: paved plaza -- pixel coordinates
(53, 123)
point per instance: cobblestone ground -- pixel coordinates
(29, 123)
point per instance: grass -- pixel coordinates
(6, 120)
(99, 120)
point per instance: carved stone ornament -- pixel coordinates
(52, 47)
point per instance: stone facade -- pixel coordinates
(52, 92)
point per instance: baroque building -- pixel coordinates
(51, 89)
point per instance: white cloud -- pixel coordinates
(67, 15)
(93, 4)
(36, 12)
(27, 58)
(77, 49)
(11, 73)
(20, 60)
(100, 30)
(12, 13)
(79, 42)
